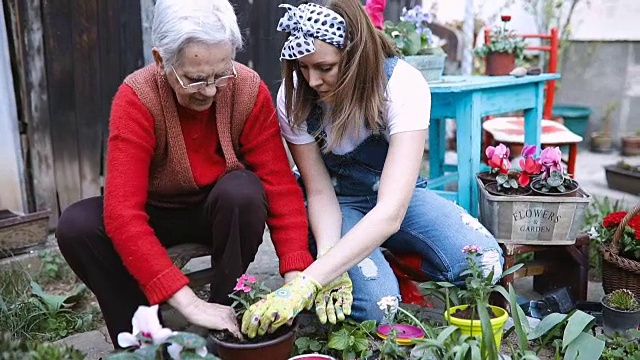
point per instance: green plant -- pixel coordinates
(620, 347)
(390, 350)
(595, 212)
(574, 341)
(622, 299)
(247, 292)
(352, 339)
(12, 349)
(53, 266)
(411, 34)
(628, 167)
(447, 343)
(630, 239)
(29, 313)
(502, 40)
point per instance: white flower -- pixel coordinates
(175, 349)
(389, 304)
(145, 321)
(593, 233)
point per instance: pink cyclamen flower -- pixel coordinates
(551, 159)
(375, 9)
(529, 151)
(471, 249)
(498, 158)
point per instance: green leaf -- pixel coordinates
(303, 342)
(360, 344)
(446, 333)
(511, 270)
(369, 326)
(339, 340)
(123, 355)
(585, 347)
(315, 345)
(187, 340)
(548, 323)
(578, 322)
(513, 183)
(519, 318)
(488, 341)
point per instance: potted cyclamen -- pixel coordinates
(416, 42)
(501, 180)
(553, 180)
(502, 50)
(149, 340)
(278, 345)
(620, 312)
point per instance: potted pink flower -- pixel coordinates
(274, 346)
(553, 179)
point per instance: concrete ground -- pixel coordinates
(590, 174)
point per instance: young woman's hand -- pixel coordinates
(280, 307)
(199, 312)
(333, 301)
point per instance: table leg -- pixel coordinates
(469, 133)
(437, 147)
(533, 118)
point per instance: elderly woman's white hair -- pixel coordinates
(177, 23)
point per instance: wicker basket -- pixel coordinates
(619, 272)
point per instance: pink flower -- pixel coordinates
(245, 279)
(471, 249)
(551, 159)
(529, 151)
(498, 158)
(375, 9)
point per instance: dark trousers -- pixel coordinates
(231, 220)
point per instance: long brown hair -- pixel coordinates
(359, 96)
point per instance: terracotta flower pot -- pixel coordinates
(500, 63)
(631, 145)
(601, 143)
(278, 348)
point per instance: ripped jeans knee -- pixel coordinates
(491, 260)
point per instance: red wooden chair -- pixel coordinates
(511, 130)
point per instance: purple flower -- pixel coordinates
(471, 249)
(529, 151)
(551, 159)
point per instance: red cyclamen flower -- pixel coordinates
(505, 18)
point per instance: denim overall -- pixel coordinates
(433, 227)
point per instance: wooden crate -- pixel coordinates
(533, 220)
(19, 232)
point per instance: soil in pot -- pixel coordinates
(493, 189)
(486, 177)
(571, 189)
(468, 314)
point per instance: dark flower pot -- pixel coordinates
(623, 180)
(571, 192)
(278, 348)
(615, 320)
(312, 357)
(500, 63)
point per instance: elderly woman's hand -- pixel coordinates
(199, 312)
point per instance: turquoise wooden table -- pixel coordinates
(467, 99)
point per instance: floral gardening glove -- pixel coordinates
(334, 301)
(280, 307)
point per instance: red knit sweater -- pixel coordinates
(130, 150)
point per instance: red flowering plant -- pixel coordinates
(247, 292)
(507, 179)
(630, 240)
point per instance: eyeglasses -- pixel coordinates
(201, 85)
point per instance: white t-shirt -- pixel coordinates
(408, 109)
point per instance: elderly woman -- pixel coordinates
(194, 155)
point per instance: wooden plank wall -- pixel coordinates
(31, 87)
(86, 48)
(13, 196)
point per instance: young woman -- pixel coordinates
(355, 117)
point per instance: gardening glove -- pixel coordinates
(280, 307)
(334, 301)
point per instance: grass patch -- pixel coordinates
(48, 307)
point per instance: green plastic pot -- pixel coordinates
(576, 117)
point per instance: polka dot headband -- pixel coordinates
(306, 22)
